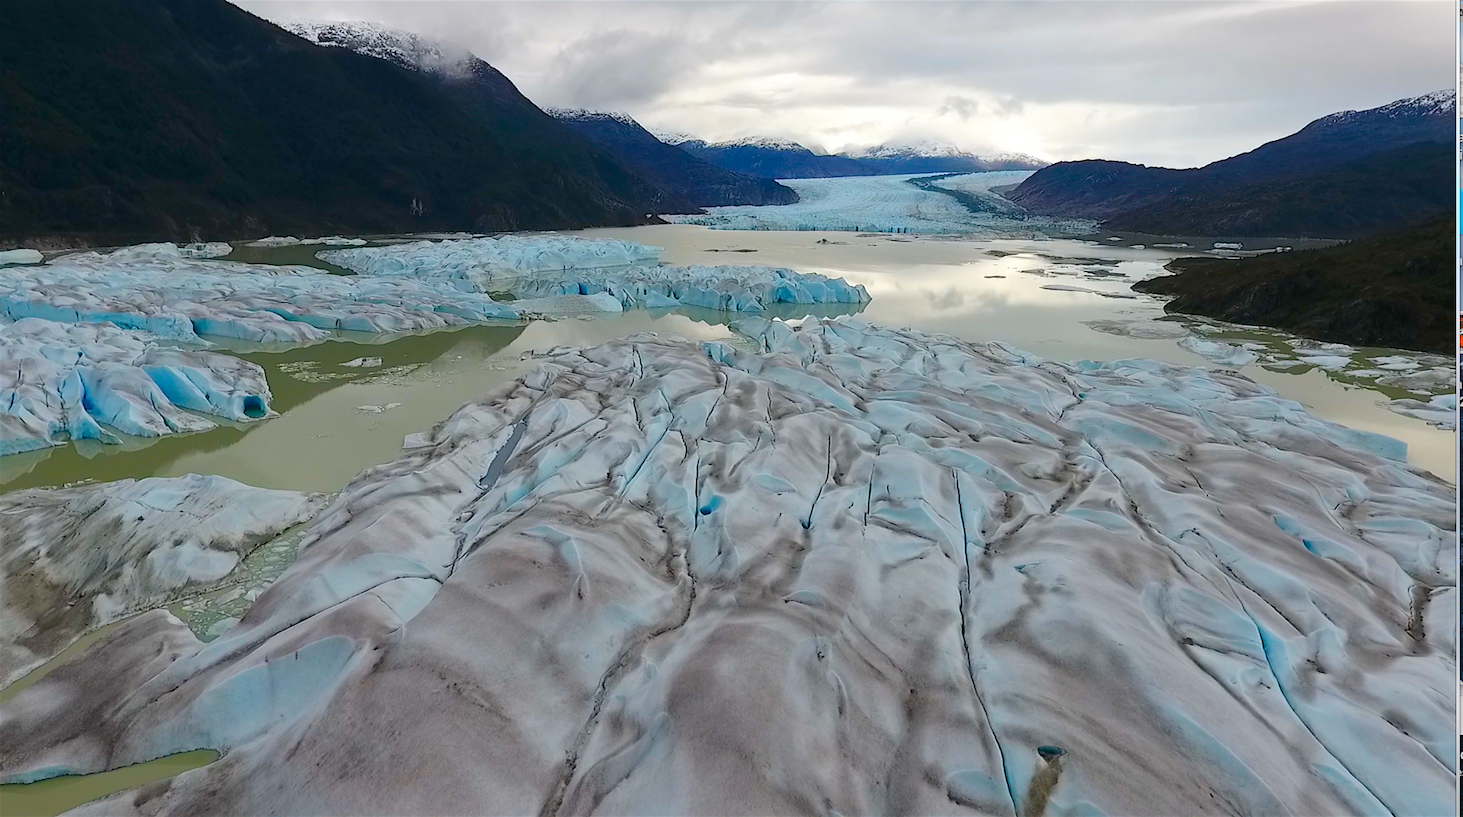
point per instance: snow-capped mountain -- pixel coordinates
(913, 150)
(404, 48)
(937, 157)
(688, 183)
(1344, 175)
(586, 115)
(1436, 104)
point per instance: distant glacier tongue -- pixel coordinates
(862, 571)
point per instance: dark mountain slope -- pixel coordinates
(1394, 290)
(1095, 188)
(1379, 192)
(774, 159)
(1236, 196)
(194, 119)
(689, 183)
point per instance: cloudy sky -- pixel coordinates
(1167, 83)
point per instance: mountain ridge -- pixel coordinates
(193, 119)
(1149, 199)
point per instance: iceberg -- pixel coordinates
(1219, 352)
(1441, 410)
(165, 291)
(78, 558)
(723, 288)
(860, 570)
(541, 271)
(291, 241)
(23, 256)
(61, 382)
(476, 263)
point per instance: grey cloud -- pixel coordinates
(1176, 83)
(963, 107)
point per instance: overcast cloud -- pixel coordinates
(1166, 83)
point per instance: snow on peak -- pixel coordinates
(770, 142)
(1437, 103)
(404, 48)
(911, 150)
(585, 114)
(675, 137)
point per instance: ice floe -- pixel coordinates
(1224, 354)
(868, 570)
(22, 256)
(485, 264)
(1141, 329)
(1441, 410)
(78, 558)
(291, 241)
(163, 290)
(60, 382)
(557, 274)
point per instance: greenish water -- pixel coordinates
(60, 794)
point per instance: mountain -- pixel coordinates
(1393, 290)
(935, 157)
(688, 183)
(189, 119)
(1267, 190)
(773, 159)
(784, 159)
(1384, 191)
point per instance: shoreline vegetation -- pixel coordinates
(1393, 290)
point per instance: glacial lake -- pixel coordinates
(1037, 295)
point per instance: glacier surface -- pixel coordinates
(59, 382)
(863, 571)
(78, 558)
(884, 204)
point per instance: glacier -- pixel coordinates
(855, 570)
(887, 204)
(539, 270)
(81, 557)
(59, 382)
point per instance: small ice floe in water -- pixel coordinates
(1441, 410)
(290, 241)
(814, 549)
(1396, 363)
(1219, 352)
(23, 256)
(1144, 330)
(1177, 246)
(1099, 292)
(377, 409)
(1328, 362)
(362, 363)
(1225, 245)
(65, 382)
